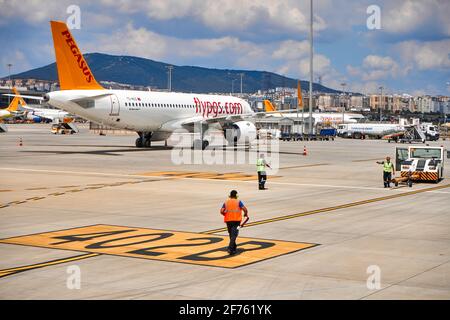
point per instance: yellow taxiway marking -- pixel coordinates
(306, 166)
(155, 244)
(203, 175)
(364, 160)
(7, 272)
(5, 190)
(333, 208)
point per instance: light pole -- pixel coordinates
(380, 105)
(169, 80)
(242, 75)
(9, 65)
(343, 84)
(311, 52)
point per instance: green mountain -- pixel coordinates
(146, 72)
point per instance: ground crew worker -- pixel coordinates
(388, 171)
(261, 165)
(232, 215)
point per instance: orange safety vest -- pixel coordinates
(232, 210)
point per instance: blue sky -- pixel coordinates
(410, 53)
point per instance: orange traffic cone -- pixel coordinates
(305, 153)
(20, 142)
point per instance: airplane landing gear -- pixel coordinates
(200, 145)
(144, 140)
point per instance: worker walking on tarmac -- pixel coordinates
(261, 165)
(232, 213)
(388, 171)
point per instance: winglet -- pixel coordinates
(269, 106)
(73, 70)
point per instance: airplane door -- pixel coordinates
(115, 106)
(401, 154)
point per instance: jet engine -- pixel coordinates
(241, 132)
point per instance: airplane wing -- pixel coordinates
(21, 96)
(229, 118)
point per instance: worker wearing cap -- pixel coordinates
(261, 165)
(232, 213)
(388, 171)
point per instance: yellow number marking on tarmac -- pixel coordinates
(155, 244)
(204, 175)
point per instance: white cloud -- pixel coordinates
(376, 68)
(231, 15)
(33, 11)
(431, 55)
(378, 62)
(130, 41)
(405, 16)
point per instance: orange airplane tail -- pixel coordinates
(299, 96)
(14, 105)
(269, 106)
(73, 70)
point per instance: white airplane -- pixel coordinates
(41, 114)
(13, 109)
(369, 129)
(320, 117)
(153, 115)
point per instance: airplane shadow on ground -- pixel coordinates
(111, 152)
(128, 149)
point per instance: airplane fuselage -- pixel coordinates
(145, 111)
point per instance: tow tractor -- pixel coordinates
(419, 163)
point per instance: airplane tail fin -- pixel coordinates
(20, 99)
(14, 105)
(73, 70)
(299, 96)
(269, 106)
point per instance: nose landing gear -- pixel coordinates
(144, 140)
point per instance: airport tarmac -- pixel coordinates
(137, 226)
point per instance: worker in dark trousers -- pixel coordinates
(388, 171)
(232, 216)
(261, 165)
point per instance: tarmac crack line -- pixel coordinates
(55, 194)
